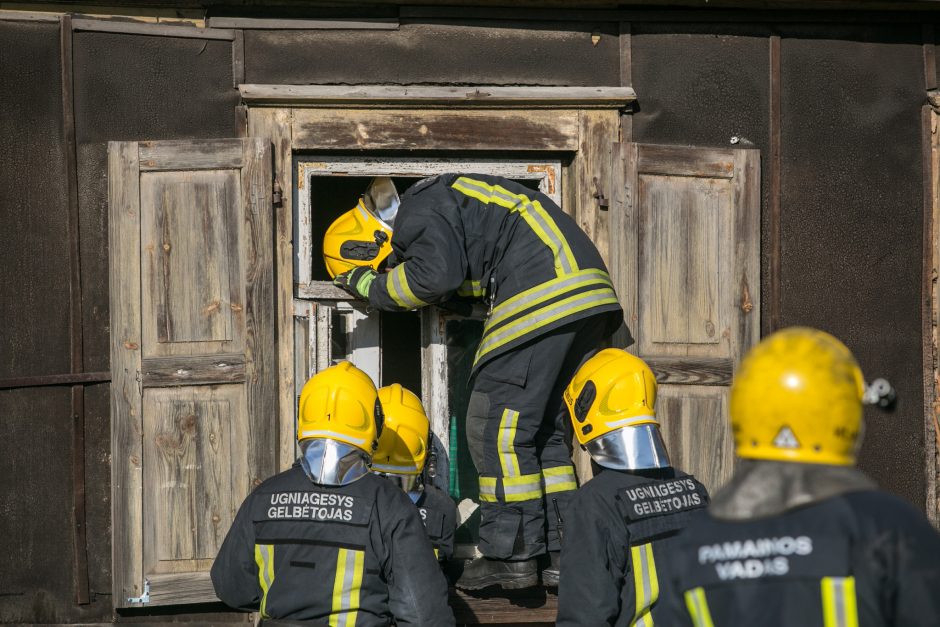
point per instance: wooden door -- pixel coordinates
(685, 255)
(194, 393)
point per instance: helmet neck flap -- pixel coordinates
(630, 448)
(331, 462)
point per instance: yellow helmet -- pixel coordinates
(339, 403)
(403, 445)
(356, 238)
(612, 390)
(797, 397)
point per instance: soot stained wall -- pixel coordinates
(36, 425)
(482, 52)
(851, 185)
(852, 211)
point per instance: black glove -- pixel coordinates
(356, 281)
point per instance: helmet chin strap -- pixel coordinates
(333, 463)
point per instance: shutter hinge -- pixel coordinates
(276, 194)
(602, 202)
(144, 598)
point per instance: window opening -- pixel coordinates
(429, 351)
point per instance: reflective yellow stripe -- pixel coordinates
(506, 443)
(488, 489)
(839, 604)
(546, 291)
(560, 479)
(399, 290)
(346, 587)
(264, 558)
(522, 488)
(470, 288)
(531, 211)
(515, 489)
(645, 583)
(698, 607)
(544, 316)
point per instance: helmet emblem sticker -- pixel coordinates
(785, 438)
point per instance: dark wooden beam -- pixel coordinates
(80, 378)
(76, 339)
(772, 319)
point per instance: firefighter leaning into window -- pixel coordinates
(623, 524)
(551, 304)
(402, 454)
(799, 536)
(328, 542)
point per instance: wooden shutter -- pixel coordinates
(193, 403)
(685, 246)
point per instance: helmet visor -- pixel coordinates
(630, 448)
(331, 462)
(381, 198)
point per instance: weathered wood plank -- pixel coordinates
(745, 328)
(692, 371)
(931, 310)
(275, 126)
(775, 200)
(207, 154)
(322, 290)
(598, 130)
(612, 97)
(622, 238)
(154, 30)
(697, 431)
(261, 354)
(676, 161)
(126, 426)
(365, 23)
(316, 129)
(179, 589)
(193, 297)
(533, 605)
(196, 370)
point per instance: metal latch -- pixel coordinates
(602, 201)
(144, 598)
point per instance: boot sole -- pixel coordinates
(511, 583)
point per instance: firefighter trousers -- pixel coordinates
(518, 432)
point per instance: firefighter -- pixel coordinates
(623, 524)
(327, 541)
(402, 454)
(799, 536)
(551, 305)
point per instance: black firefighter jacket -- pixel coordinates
(860, 559)
(489, 238)
(439, 515)
(305, 552)
(619, 532)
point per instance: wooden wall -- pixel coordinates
(834, 109)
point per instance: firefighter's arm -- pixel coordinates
(916, 578)
(592, 568)
(432, 264)
(234, 572)
(417, 590)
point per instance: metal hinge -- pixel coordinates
(602, 202)
(276, 195)
(144, 598)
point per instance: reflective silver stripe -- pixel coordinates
(645, 583)
(534, 215)
(839, 603)
(543, 292)
(626, 421)
(559, 479)
(697, 605)
(507, 450)
(400, 291)
(522, 488)
(488, 489)
(546, 315)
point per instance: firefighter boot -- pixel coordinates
(509, 575)
(552, 572)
